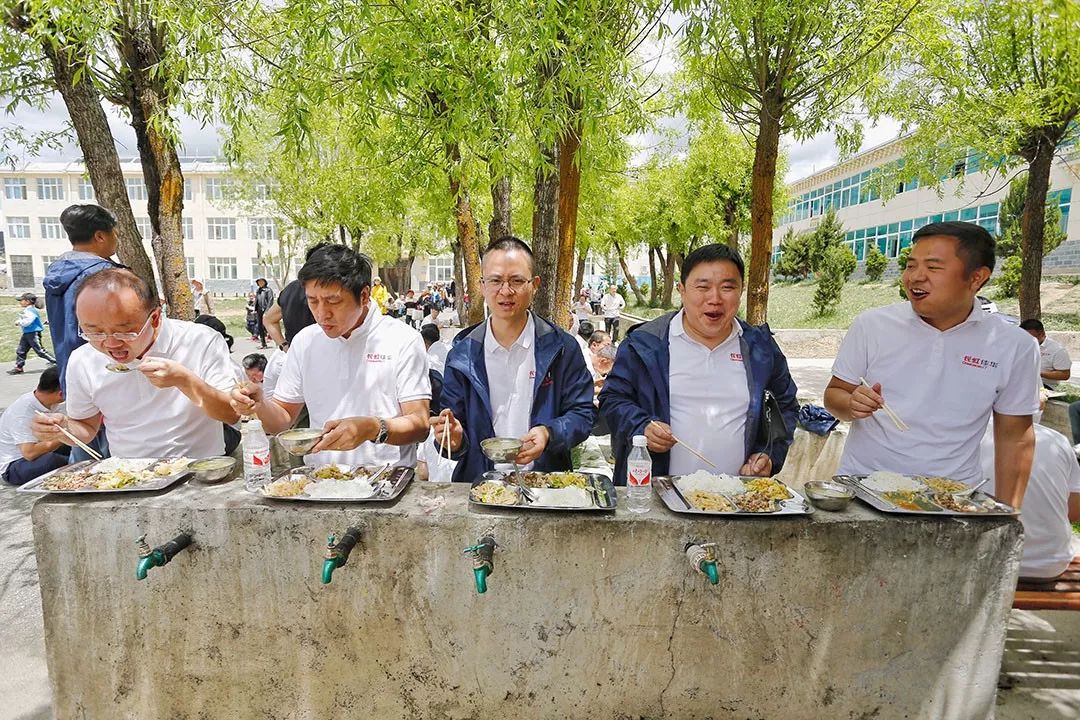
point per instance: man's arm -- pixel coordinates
(46, 428)
(1057, 375)
(165, 373)
(1014, 450)
(34, 450)
(1074, 507)
(411, 426)
(847, 401)
(272, 323)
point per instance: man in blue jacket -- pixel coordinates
(701, 374)
(514, 375)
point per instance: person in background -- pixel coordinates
(22, 457)
(435, 318)
(204, 304)
(30, 322)
(611, 305)
(411, 307)
(582, 334)
(380, 295)
(291, 310)
(1051, 502)
(436, 348)
(602, 351)
(264, 298)
(515, 375)
(582, 308)
(594, 299)
(944, 366)
(1054, 362)
(251, 320)
(255, 367)
(702, 375)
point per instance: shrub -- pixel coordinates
(901, 263)
(876, 262)
(838, 264)
(1008, 280)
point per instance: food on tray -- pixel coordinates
(331, 472)
(566, 480)
(568, 497)
(116, 473)
(885, 482)
(910, 500)
(945, 485)
(71, 481)
(709, 502)
(494, 493)
(706, 481)
(287, 486)
(769, 487)
(533, 479)
(956, 504)
(351, 489)
(755, 502)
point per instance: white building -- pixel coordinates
(889, 224)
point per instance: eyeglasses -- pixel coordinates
(515, 284)
(124, 337)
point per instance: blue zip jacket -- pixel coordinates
(637, 391)
(62, 282)
(562, 398)
(36, 325)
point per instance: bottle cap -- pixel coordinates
(641, 441)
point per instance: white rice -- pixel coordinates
(883, 481)
(702, 480)
(569, 497)
(344, 489)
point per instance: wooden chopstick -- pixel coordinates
(900, 424)
(699, 456)
(446, 439)
(86, 448)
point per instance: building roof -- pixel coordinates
(127, 165)
(871, 157)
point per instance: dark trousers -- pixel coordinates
(612, 327)
(100, 443)
(1074, 420)
(31, 341)
(261, 328)
(21, 471)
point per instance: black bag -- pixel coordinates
(771, 428)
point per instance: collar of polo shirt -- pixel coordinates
(524, 340)
(977, 314)
(365, 328)
(678, 328)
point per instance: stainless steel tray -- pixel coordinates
(669, 493)
(36, 485)
(598, 482)
(399, 478)
(994, 508)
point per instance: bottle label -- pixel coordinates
(638, 475)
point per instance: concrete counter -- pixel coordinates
(851, 615)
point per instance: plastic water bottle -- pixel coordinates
(256, 454)
(639, 476)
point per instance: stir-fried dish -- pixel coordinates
(755, 502)
(494, 493)
(709, 502)
(769, 487)
(115, 474)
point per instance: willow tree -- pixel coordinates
(1002, 78)
(786, 67)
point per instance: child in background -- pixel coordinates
(30, 322)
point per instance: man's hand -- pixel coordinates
(46, 427)
(865, 401)
(164, 373)
(533, 444)
(659, 436)
(757, 465)
(347, 433)
(439, 424)
(246, 398)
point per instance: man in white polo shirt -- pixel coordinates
(161, 384)
(362, 375)
(942, 365)
(1055, 365)
(22, 457)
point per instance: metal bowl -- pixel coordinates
(828, 495)
(213, 469)
(299, 441)
(501, 450)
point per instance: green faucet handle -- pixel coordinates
(710, 569)
(480, 575)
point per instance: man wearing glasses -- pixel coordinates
(161, 384)
(514, 375)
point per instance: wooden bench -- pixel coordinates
(1062, 593)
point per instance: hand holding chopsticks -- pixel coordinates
(64, 431)
(446, 426)
(677, 441)
(900, 424)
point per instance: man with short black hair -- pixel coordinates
(254, 367)
(1055, 365)
(22, 457)
(947, 365)
(362, 375)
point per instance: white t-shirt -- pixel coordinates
(1045, 514)
(586, 353)
(147, 421)
(709, 397)
(944, 385)
(381, 365)
(274, 365)
(15, 427)
(1053, 356)
(610, 305)
(582, 310)
(437, 356)
(511, 374)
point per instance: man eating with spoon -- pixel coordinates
(161, 383)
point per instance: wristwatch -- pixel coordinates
(384, 430)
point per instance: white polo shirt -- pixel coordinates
(944, 385)
(15, 427)
(146, 421)
(437, 356)
(587, 354)
(381, 365)
(511, 374)
(1045, 515)
(1053, 356)
(274, 365)
(709, 397)
(610, 305)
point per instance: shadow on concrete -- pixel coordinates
(1040, 671)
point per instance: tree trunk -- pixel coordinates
(761, 211)
(466, 233)
(99, 152)
(1033, 228)
(629, 278)
(653, 285)
(545, 226)
(459, 284)
(579, 273)
(569, 192)
(669, 279)
(500, 225)
(731, 219)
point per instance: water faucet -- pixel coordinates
(159, 556)
(483, 557)
(703, 557)
(337, 554)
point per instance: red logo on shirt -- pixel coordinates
(377, 357)
(736, 357)
(532, 374)
(972, 361)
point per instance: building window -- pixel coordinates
(136, 188)
(222, 268)
(262, 191)
(146, 230)
(263, 229)
(86, 189)
(259, 269)
(217, 188)
(190, 262)
(18, 227)
(51, 229)
(188, 228)
(22, 270)
(189, 188)
(15, 188)
(46, 261)
(50, 188)
(221, 229)
(440, 269)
